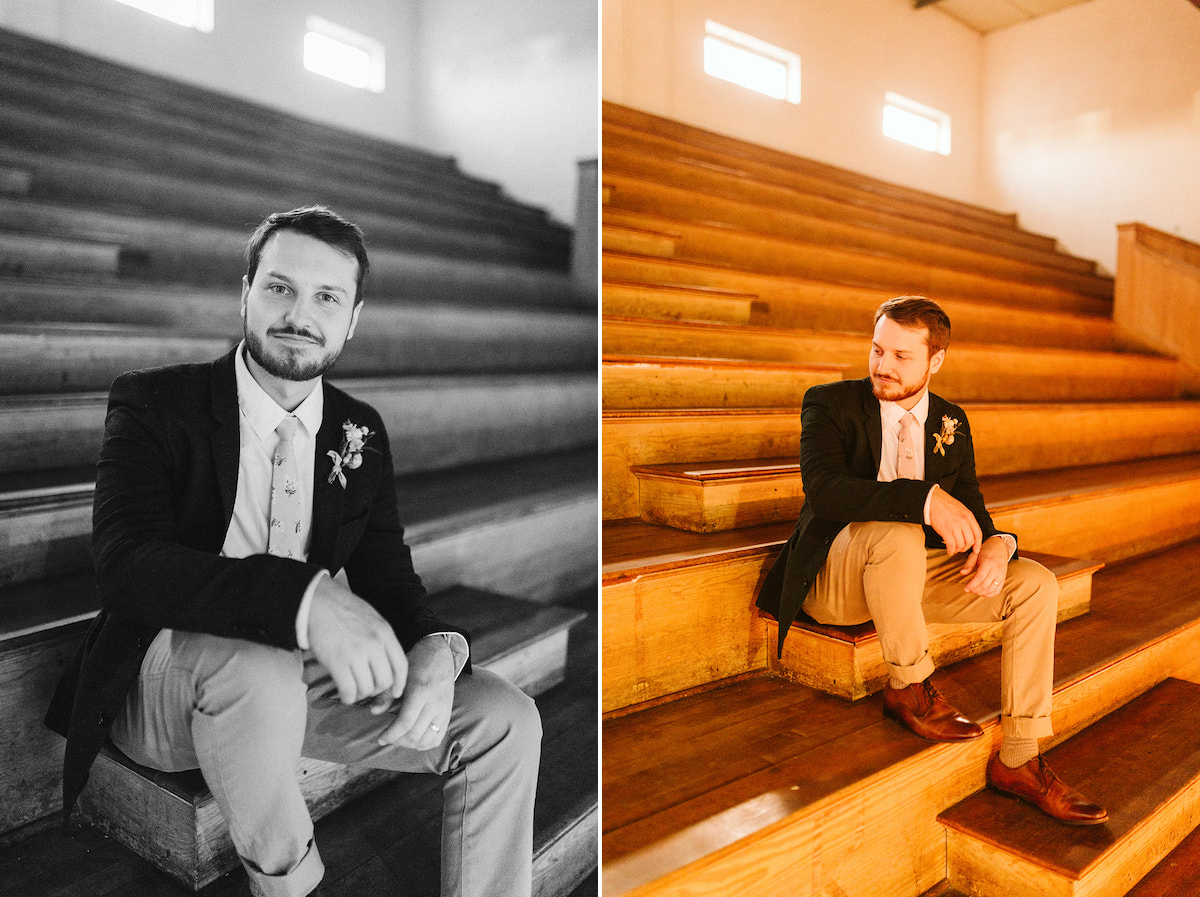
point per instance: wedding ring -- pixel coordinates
(435, 728)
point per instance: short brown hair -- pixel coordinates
(320, 223)
(915, 312)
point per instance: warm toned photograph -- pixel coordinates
(900, 448)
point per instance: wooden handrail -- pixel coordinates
(1157, 294)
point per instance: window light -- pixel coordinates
(196, 14)
(343, 55)
(750, 62)
(916, 124)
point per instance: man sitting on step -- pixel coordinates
(894, 529)
(227, 495)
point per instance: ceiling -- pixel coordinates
(989, 15)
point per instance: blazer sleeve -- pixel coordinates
(158, 527)
(379, 568)
(838, 472)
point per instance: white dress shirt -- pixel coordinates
(249, 527)
(890, 414)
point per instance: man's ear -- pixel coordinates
(245, 294)
(354, 320)
(935, 363)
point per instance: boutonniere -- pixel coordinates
(946, 437)
(350, 457)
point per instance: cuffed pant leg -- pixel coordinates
(236, 710)
(489, 758)
(876, 571)
(1028, 607)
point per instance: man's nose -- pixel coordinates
(299, 313)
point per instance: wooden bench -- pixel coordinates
(635, 169)
(806, 301)
(653, 382)
(780, 253)
(972, 372)
(639, 197)
(638, 300)
(172, 819)
(753, 747)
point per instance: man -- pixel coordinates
(894, 529)
(227, 496)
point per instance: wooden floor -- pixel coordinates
(373, 846)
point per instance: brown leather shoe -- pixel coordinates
(921, 709)
(1036, 783)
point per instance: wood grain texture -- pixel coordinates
(654, 382)
(1158, 291)
(679, 303)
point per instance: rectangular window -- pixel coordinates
(750, 62)
(343, 55)
(196, 14)
(916, 124)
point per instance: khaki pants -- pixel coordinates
(883, 572)
(244, 714)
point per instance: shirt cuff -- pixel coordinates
(305, 609)
(928, 501)
(458, 647)
(1011, 542)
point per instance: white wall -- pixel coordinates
(1092, 118)
(511, 89)
(852, 52)
(453, 68)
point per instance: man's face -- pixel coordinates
(299, 311)
(900, 365)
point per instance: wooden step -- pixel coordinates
(761, 216)
(432, 422)
(681, 303)
(648, 382)
(22, 254)
(186, 836)
(68, 358)
(806, 302)
(660, 243)
(847, 661)
(683, 455)
(15, 180)
(751, 748)
(392, 337)
(633, 130)
(478, 525)
(732, 247)
(1175, 873)
(1141, 762)
(972, 371)
(1103, 512)
(396, 218)
(633, 177)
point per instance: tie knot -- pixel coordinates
(287, 428)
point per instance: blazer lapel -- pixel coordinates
(226, 437)
(935, 462)
(874, 424)
(327, 497)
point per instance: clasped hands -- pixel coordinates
(365, 660)
(987, 564)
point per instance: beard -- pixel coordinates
(894, 390)
(289, 363)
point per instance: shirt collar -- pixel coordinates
(263, 412)
(891, 412)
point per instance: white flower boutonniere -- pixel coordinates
(946, 437)
(354, 438)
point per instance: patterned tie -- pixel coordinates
(284, 537)
(906, 460)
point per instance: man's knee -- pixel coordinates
(500, 713)
(1030, 582)
(885, 537)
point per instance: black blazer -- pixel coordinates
(841, 440)
(165, 488)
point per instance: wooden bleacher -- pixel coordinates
(125, 200)
(734, 278)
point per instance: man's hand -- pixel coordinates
(954, 522)
(989, 565)
(356, 645)
(425, 706)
